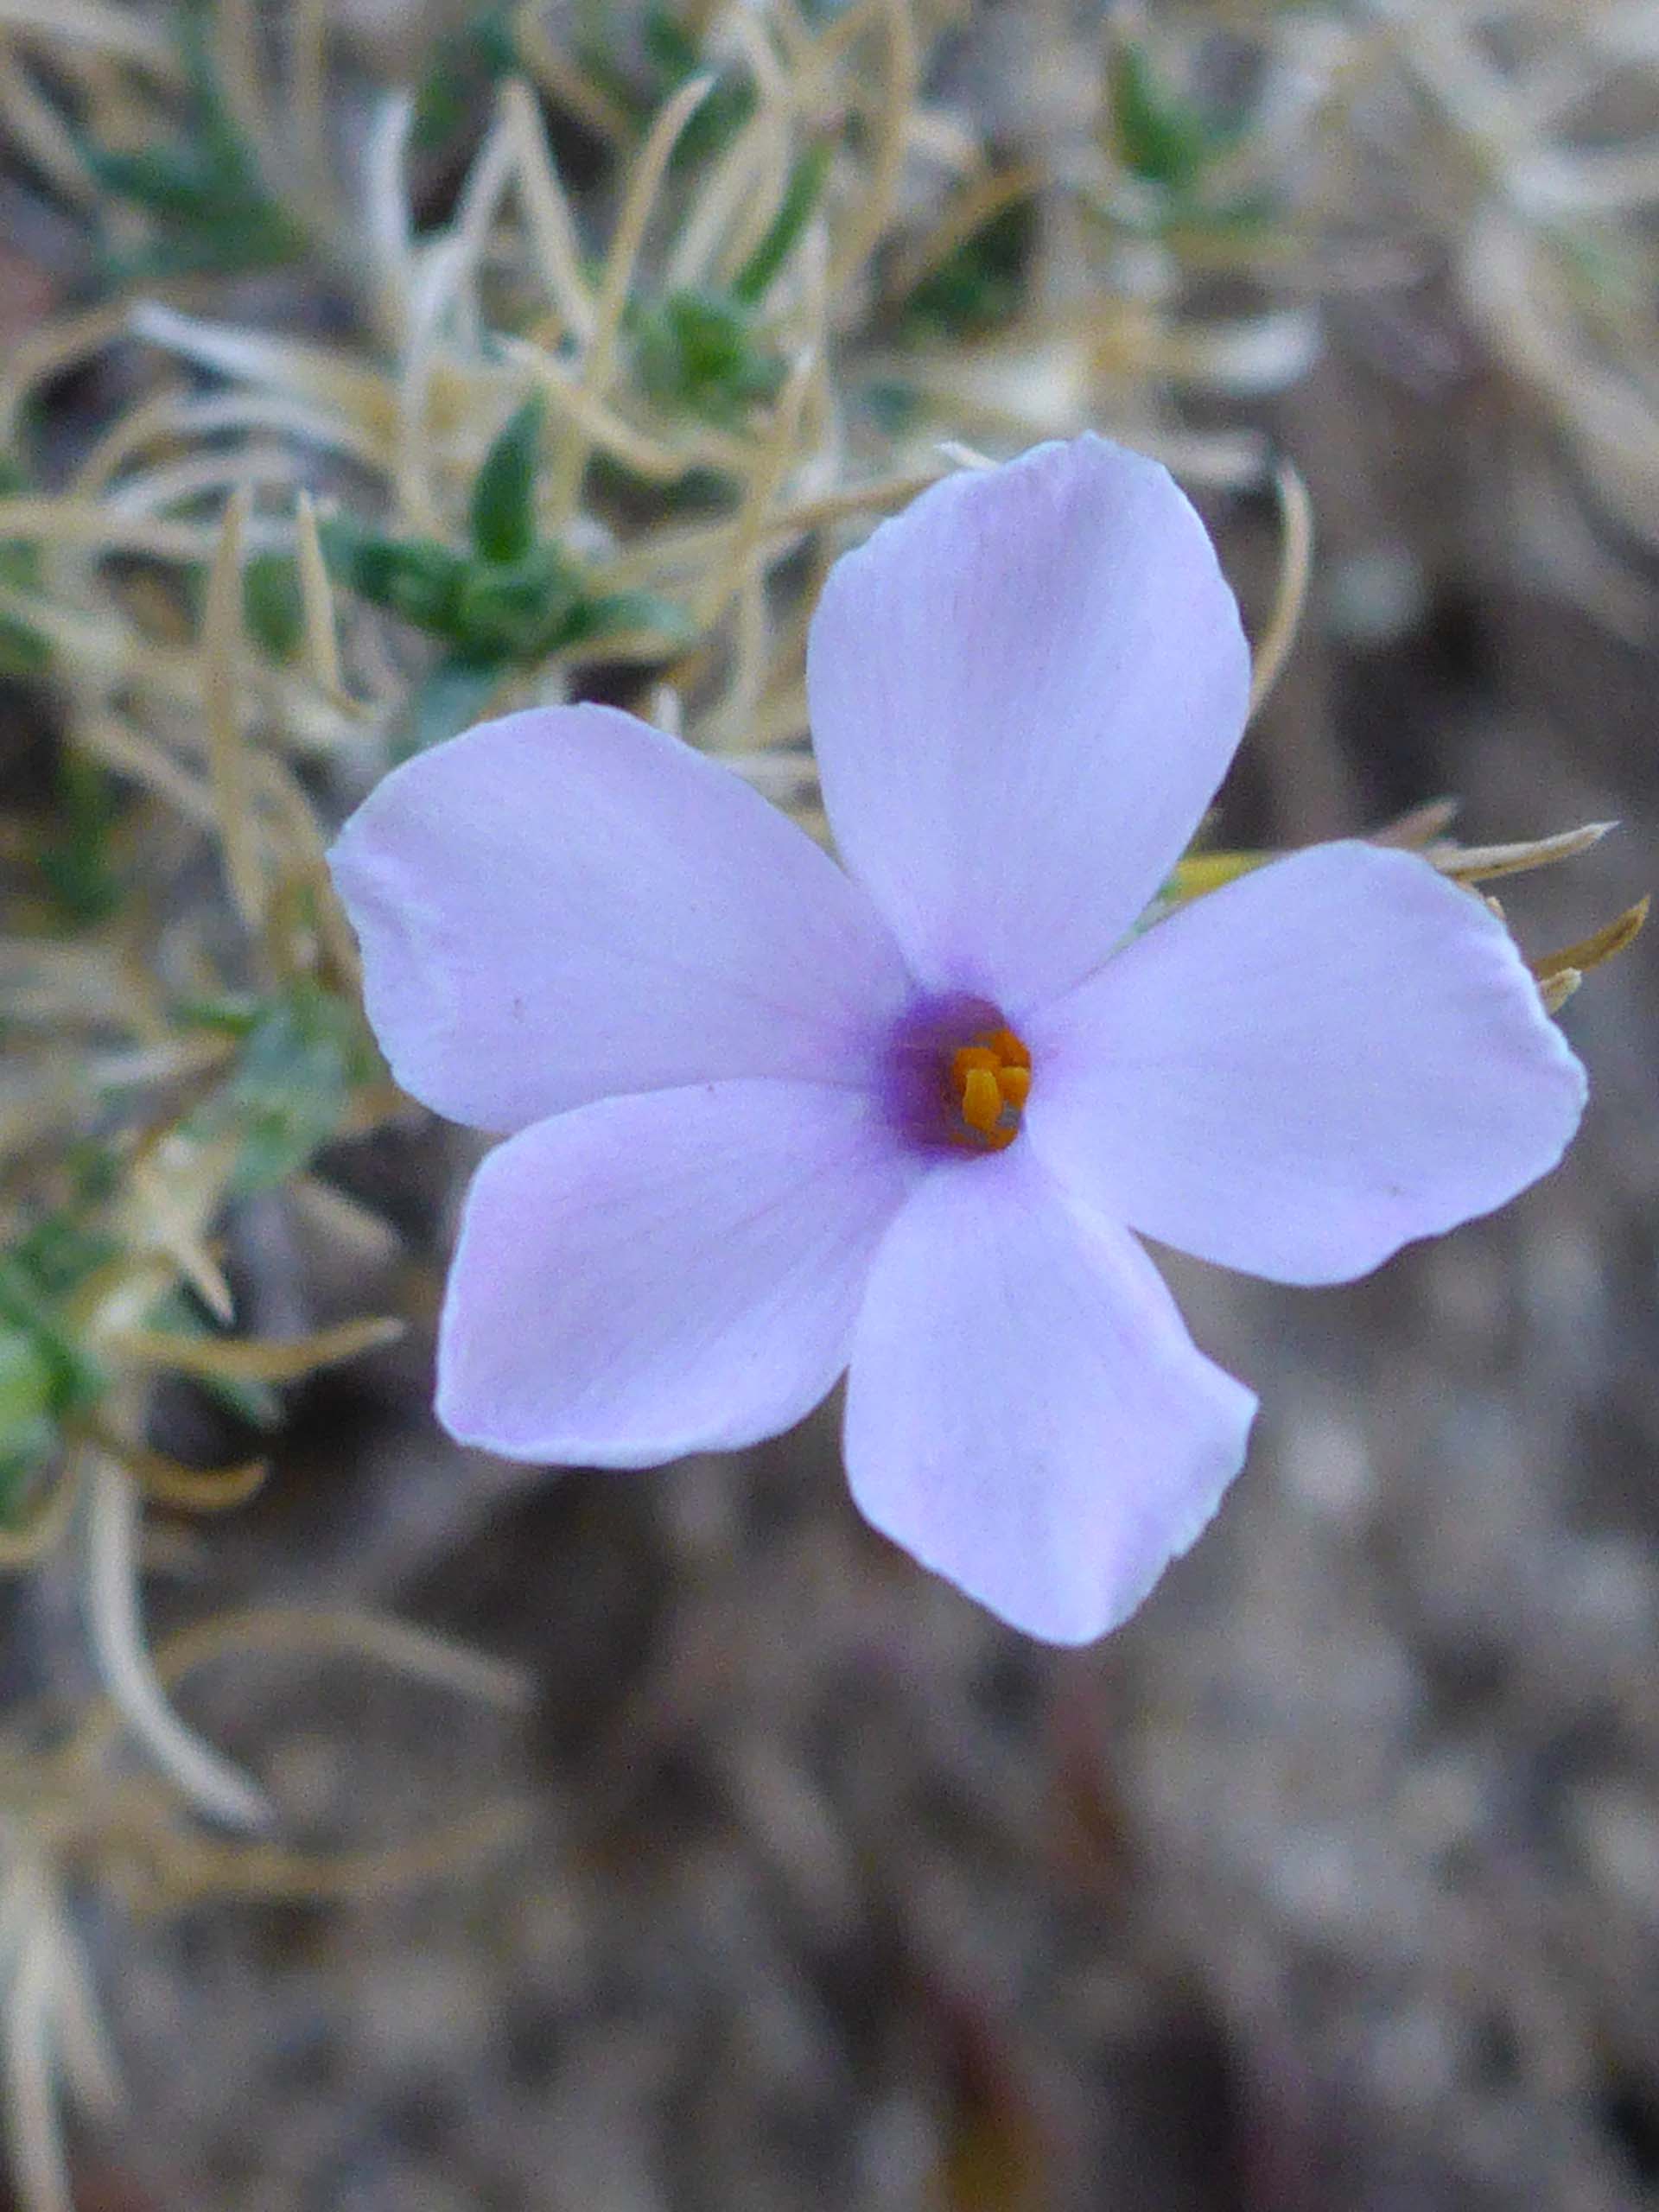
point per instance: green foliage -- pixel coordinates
(704, 353)
(676, 56)
(516, 612)
(28, 1430)
(302, 1053)
(504, 495)
(23, 653)
(203, 189)
(801, 195)
(415, 578)
(45, 1378)
(669, 56)
(77, 860)
(1161, 138)
(1168, 142)
(272, 603)
(465, 65)
(489, 612)
(509, 601)
(455, 694)
(980, 283)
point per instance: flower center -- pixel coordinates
(990, 1080)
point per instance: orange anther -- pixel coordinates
(982, 1102)
(990, 1081)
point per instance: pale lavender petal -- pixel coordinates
(1025, 1412)
(566, 904)
(673, 1272)
(1025, 690)
(1298, 1074)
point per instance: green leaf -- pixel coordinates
(1161, 138)
(979, 285)
(26, 1389)
(672, 55)
(415, 578)
(290, 1087)
(801, 196)
(273, 604)
(60, 1252)
(503, 493)
(453, 695)
(25, 655)
(168, 181)
(28, 1428)
(611, 613)
(204, 190)
(512, 613)
(465, 64)
(77, 862)
(73, 1381)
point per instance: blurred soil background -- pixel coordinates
(1330, 1883)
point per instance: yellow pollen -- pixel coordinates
(990, 1081)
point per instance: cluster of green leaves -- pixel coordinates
(703, 353)
(709, 353)
(509, 599)
(203, 191)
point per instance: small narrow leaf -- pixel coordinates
(801, 196)
(1161, 138)
(503, 494)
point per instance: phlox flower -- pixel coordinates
(769, 1118)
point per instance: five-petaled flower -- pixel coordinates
(769, 1118)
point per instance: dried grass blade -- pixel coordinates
(1483, 863)
(117, 1634)
(168, 1482)
(244, 1359)
(898, 100)
(645, 184)
(1591, 951)
(227, 754)
(1419, 827)
(1295, 565)
(317, 603)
